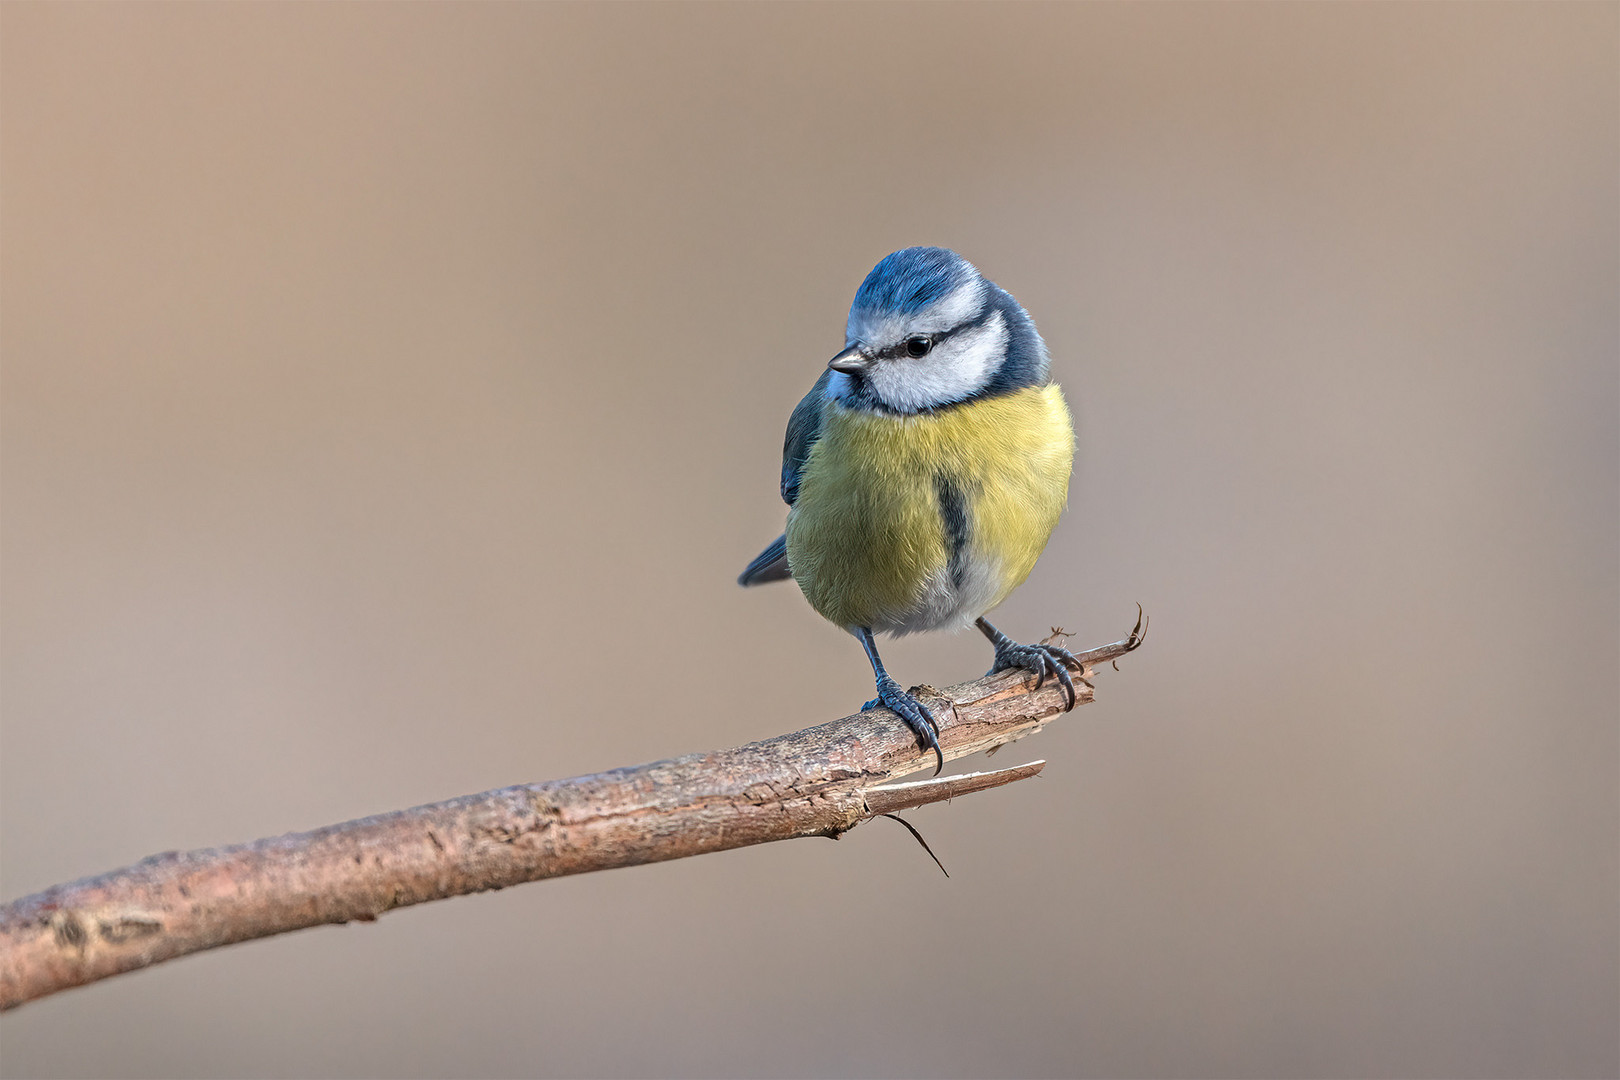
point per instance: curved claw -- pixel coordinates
(1041, 661)
(1068, 684)
(914, 713)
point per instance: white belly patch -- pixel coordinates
(950, 599)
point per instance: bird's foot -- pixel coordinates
(1042, 660)
(913, 712)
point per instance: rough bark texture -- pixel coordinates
(822, 781)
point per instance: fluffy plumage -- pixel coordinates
(869, 540)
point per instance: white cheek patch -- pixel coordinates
(956, 368)
(881, 331)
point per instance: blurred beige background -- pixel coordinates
(392, 393)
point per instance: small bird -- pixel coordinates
(925, 469)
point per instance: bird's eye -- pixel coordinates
(919, 344)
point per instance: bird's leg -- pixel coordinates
(908, 708)
(1043, 660)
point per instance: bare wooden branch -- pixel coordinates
(822, 781)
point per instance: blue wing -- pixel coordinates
(804, 428)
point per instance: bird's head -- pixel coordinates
(928, 330)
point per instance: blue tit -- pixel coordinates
(925, 469)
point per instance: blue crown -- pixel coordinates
(911, 279)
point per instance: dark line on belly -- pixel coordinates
(953, 514)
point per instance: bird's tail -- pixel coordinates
(771, 565)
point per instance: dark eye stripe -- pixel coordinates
(895, 352)
(902, 350)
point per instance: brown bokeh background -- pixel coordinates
(391, 394)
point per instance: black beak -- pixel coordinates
(851, 361)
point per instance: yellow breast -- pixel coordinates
(867, 539)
